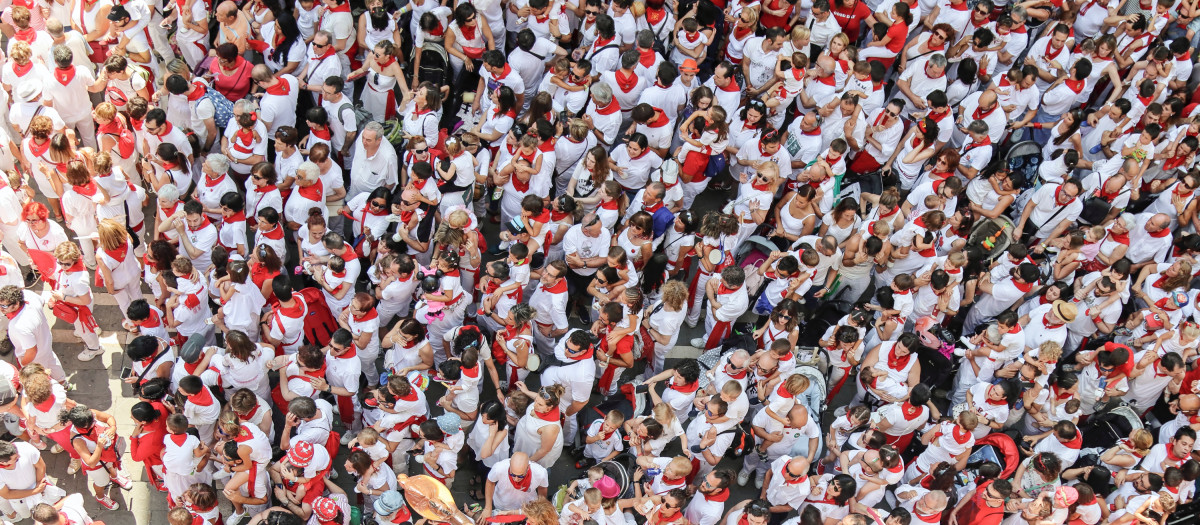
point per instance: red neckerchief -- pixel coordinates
(718, 497)
(961, 6)
(119, 255)
(978, 25)
(21, 70)
(660, 120)
(204, 223)
(783, 391)
(265, 189)
(1171, 455)
(741, 32)
(1046, 321)
(1051, 55)
(329, 51)
(27, 35)
(739, 375)
(87, 190)
(153, 321)
(163, 131)
(960, 434)
(202, 398)
(313, 192)
(524, 483)
(784, 474)
(1165, 232)
(1076, 442)
(667, 518)
(552, 415)
(931, 518)
(626, 82)
(610, 205)
(611, 108)
(46, 405)
(685, 389)
(653, 209)
(274, 234)
(519, 185)
(647, 57)
(880, 117)
(895, 362)
(281, 88)
(38, 149)
(1160, 282)
(560, 287)
(64, 76)
(198, 91)
(210, 182)
(322, 133)
(979, 115)
(987, 141)
(654, 16)
(690, 38)
(1057, 192)
(909, 411)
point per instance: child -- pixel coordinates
(878, 382)
(779, 403)
(841, 428)
(369, 441)
(461, 377)
(335, 285)
(518, 278)
(610, 208)
(241, 301)
(949, 441)
(185, 459)
(586, 508)
(689, 42)
(308, 13)
(144, 319)
(703, 133)
(579, 487)
(791, 81)
(436, 458)
(603, 441)
(674, 474)
(246, 142)
(201, 500)
(94, 441)
(187, 309)
(200, 407)
(318, 130)
(180, 515)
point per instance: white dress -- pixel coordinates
(529, 441)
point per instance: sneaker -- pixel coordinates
(38, 443)
(758, 482)
(698, 343)
(123, 481)
(333, 474)
(235, 518)
(959, 352)
(73, 468)
(88, 355)
(348, 437)
(57, 449)
(108, 503)
(743, 478)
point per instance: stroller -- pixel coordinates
(998, 448)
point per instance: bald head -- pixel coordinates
(934, 501)
(1189, 402)
(987, 99)
(227, 8)
(798, 416)
(519, 464)
(767, 361)
(1158, 222)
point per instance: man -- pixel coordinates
(648, 59)
(577, 374)
(664, 94)
(977, 152)
(780, 488)
(822, 27)
(787, 485)
(1064, 441)
(708, 505)
(996, 297)
(1149, 240)
(1011, 30)
(804, 142)
(604, 117)
(307, 420)
(627, 85)
(343, 126)
(29, 332)
(1047, 323)
(654, 123)
(69, 90)
(1051, 210)
(984, 505)
(585, 246)
(1060, 97)
(277, 108)
(197, 236)
(529, 59)
(1094, 321)
(512, 483)
(549, 299)
(985, 106)
(727, 300)
(605, 52)
(1018, 96)
(497, 72)
(22, 479)
(339, 22)
(342, 370)
(900, 420)
(374, 166)
(650, 200)
(758, 68)
(201, 111)
(920, 78)
(1051, 57)
(320, 62)
(71, 513)
(725, 89)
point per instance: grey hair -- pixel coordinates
(54, 26)
(938, 60)
(742, 353)
(629, 59)
(177, 65)
(217, 162)
(978, 126)
(1018, 13)
(327, 35)
(375, 127)
(169, 192)
(602, 92)
(245, 105)
(1129, 218)
(62, 55)
(309, 171)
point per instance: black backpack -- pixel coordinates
(435, 65)
(743, 440)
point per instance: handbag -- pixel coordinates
(1097, 208)
(66, 311)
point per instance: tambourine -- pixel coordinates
(533, 363)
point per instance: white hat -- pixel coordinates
(28, 91)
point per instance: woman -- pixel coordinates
(679, 241)
(285, 49)
(467, 38)
(662, 321)
(312, 242)
(489, 441)
(637, 239)
(73, 293)
(157, 271)
(500, 116)
(1159, 281)
(893, 41)
(374, 478)
(406, 349)
(457, 178)
(1064, 134)
(231, 72)
(991, 196)
(264, 266)
(514, 344)
(926, 44)
(1037, 474)
(371, 212)
(783, 323)
(117, 267)
(376, 25)
(991, 402)
(422, 111)
(842, 222)
(459, 233)
(635, 160)
(794, 216)
(899, 360)
(39, 234)
(168, 166)
(383, 74)
(539, 430)
(243, 364)
(1152, 509)
(918, 146)
(309, 194)
(589, 176)
(747, 127)
(110, 127)
(80, 197)
(261, 191)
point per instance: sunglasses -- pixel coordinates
(420, 151)
(375, 204)
(7, 306)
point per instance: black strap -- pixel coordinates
(36, 112)
(157, 356)
(1051, 219)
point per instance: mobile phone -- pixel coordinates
(641, 389)
(126, 372)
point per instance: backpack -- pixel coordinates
(222, 107)
(393, 131)
(361, 115)
(319, 323)
(742, 443)
(435, 64)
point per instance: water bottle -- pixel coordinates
(1096, 149)
(653, 472)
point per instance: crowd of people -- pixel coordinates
(356, 239)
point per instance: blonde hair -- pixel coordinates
(731, 388)
(615, 417)
(592, 496)
(112, 234)
(969, 420)
(1049, 352)
(539, 512)
(368, 436)
(1142, 440)
(459, 219)
(21, 53)
(675, 294)
(800, 32)
(67, 251)
(663, 413)
(679, 466)
(796, 383)
(106, 110)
